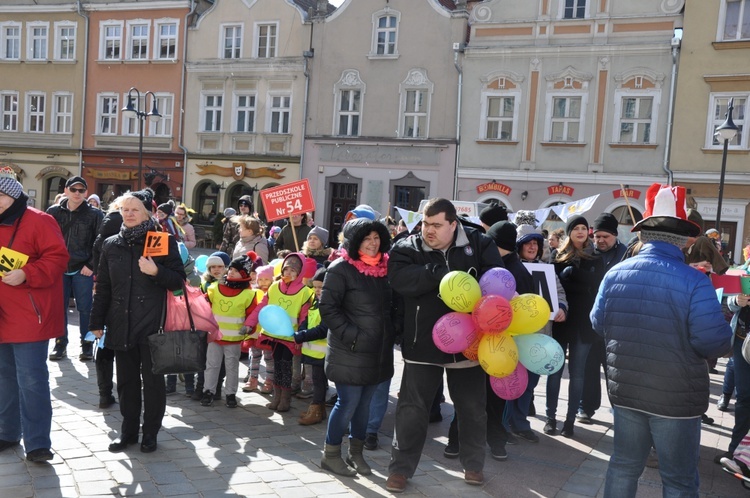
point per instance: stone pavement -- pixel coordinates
(253, 451)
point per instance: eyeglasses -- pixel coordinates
(77, 190)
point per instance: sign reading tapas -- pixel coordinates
(287, 200)
(560, 190)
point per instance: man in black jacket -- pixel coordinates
(416, 266)
(79, 223)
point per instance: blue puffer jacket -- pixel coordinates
(660, 319)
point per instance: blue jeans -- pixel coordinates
(742, 404)
(378, 407)
(26, 406)
(83, 292)
(517, 411)
(677, 443)
(578, 352)
(728, 386)
(352, 406)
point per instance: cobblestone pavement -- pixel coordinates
(253, 451)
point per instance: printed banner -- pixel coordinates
(11, 260)
(157, 244)
(410, 218)
(570, 209)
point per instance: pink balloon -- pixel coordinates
(492, 314)
(511, 386)
(454, 332)
(498, 282)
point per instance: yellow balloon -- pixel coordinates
(276, 263)
(530, 314)
(498, 354)
(460, 291)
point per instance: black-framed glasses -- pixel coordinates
(77, 190)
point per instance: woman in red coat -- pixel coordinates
(31, 313)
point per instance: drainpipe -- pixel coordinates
(85, 86)
(182, 100)
(307, 55)
(457, 47)
(676, 42)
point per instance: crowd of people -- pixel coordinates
(636, 312)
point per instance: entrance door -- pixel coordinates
(343, 200)
(728, 240)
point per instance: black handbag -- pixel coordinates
(180, 351)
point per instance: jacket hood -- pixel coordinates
(355, 232)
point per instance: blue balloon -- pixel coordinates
(539, 353)
(200, 262)
(276, 321)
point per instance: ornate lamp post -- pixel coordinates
(134, 111)
(726, 132)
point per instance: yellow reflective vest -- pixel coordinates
(291, 303)
(230, 311)
(314, 349)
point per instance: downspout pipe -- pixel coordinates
(182, 100)
(307, 55)
(458, 121)
(676, 42)
(80, 11)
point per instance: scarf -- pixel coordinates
(380, 269)
(10, 215)
(369, 260)
(135, 234)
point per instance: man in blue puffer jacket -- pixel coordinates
(660, 320)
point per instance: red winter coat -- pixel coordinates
(35, 310)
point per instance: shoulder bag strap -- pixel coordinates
(163, 313)
(187, 305)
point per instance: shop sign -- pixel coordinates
(560, 189)
(630, 193)
(493, 187)
(238, 171)
(111, 174)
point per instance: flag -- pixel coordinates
(570, 209)
(410, 218)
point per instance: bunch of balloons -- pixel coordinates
(491, 323)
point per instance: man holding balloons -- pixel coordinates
(416, 268)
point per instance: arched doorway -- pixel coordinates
(205, 202)
(53, 185)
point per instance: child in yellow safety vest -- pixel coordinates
(264, 279)
(314, 345)
(232, 300)
(291, 294)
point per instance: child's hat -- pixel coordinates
(264, 272)
(218, 258)
(244, 265)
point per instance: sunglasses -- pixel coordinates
(77, 190)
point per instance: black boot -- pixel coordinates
(104, 363)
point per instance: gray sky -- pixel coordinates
(336, 2)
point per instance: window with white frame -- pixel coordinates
(35, 107)
(213, 104)
(416, 93)
(348, 112)
(65, 41)
(232, 47)
(166, 40)
(636, 116)
(62, 113)
(244, 112)
(266, 40)
(165, 106)
(565, 122)
(111, 41)
(138, 36)
(574, 9)
(10, 37)
(107, 114)
(280, 113)
(385, 33)
(717, 115)
(37, 35)
(9, 110)
(736, 24)
(499, 111)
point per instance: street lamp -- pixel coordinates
(134, 111)
(725, 131)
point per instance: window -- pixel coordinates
(111, 40)
(65, 42)
(349, 109)
(107, 115)
(166, 41)
(232, 42)
(130, 125)
(165, 106)
(244, 105)
(11, 41)
(35, 112)
(635, 120)
(37, 34)
(717, 115)
(212, 107)
(281, 110)
(566, 119)
(386, 32)
(138, 35)
(9, 111)
(574, 9)
(266, 40)
(500, 115)
(736, 20)
(62, 113)
(416, 91)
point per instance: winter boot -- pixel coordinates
(333, 462)
(276, 399)
(286, 401)
(315, 414)
(267, 387)
(355, 459)
(198, 392)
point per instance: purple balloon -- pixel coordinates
(498, 282)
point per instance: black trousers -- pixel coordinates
(497, 435)
(591, 399)
(133, 372)
(105, 366)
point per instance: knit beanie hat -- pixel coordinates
(574, 222)
(320, 274)
(166, 208)
(244, 265)
(8, 183)
(218, 258)
(321, 233)
(295, 261)
(606, 222)
(229, 212)
(526, 233)
(146, 196)
(275, 229)
(309, 267)
(504, 235)
(264, 272)
(492, 214)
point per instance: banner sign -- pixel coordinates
(288, 199)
